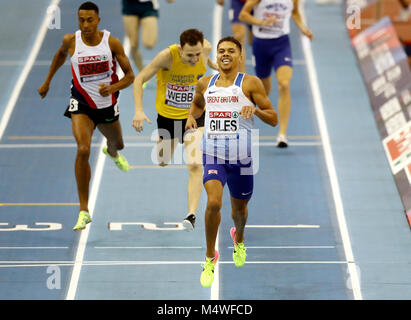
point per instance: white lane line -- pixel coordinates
(329, 159)
(31, 248)
(133, 144)
(154, 247)
(98, 173)
(217, 30)
(16, 63)
(27, 67)
(16, 264)
(295, 62)
(297, 226)
(150, 137)
(288, 247)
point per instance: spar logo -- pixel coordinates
(223, 114)
(91, 59)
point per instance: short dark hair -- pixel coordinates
(192, 37)
(231, 39)
(89, 6)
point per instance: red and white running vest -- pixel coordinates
(91, 66)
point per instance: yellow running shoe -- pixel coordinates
(121, 162)
(83, 219)
(207, 276)
(240, 252)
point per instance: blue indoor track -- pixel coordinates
(325, 221)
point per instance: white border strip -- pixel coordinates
(217, 29)
(27, 68)
(78, 262)
(319, 110)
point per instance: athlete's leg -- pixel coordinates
(267, 84)
(83, 128)
(284, 74)
(263, 58)
(239, 213)
(149, 31)
(192, 142)
(131, 26)
(239, 32)
(112, 132)
(214, 189)
(165, 150)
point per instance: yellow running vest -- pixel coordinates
(176, 86)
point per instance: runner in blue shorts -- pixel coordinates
(230, 99)
(271, 49)
(239, 28)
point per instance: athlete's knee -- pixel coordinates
(239, 211)
(83, 150)
(118, 145)
(239, 35)
(214, 204)
(195, 168)
(284, 85)
(149, 43)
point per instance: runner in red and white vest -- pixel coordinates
(92, 66)
(95, 87)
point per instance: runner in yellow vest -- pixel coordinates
(178, 69)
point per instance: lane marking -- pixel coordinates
(17, 264)
(154, 247)
(39, 204)
(248, 247)
(27, 68)
(301, 226)
(81, 248)
(148, 138)
(217, 31)
(44, 138)
(170, 166)
(329, 159)
(289, 247)
(295, 62)
(133, 144)
(32, 248)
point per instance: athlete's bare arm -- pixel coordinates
(253, 88)
(296, 16)
(247, 17)
(206, 53)
(60, 56)
(163, 61)
(118, 52)
(198, 103)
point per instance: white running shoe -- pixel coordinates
(189, 222)
(282, 141)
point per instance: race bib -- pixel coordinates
(223, 124)
(179, 96)
(93, 68)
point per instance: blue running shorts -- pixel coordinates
(271, 53)
(238, 176)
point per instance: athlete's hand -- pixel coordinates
(191, 123)
(138, 119)
(43, 89)
(105, 90)
(247, 111)
(220, 2)
(308, 33)
(269, 21)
